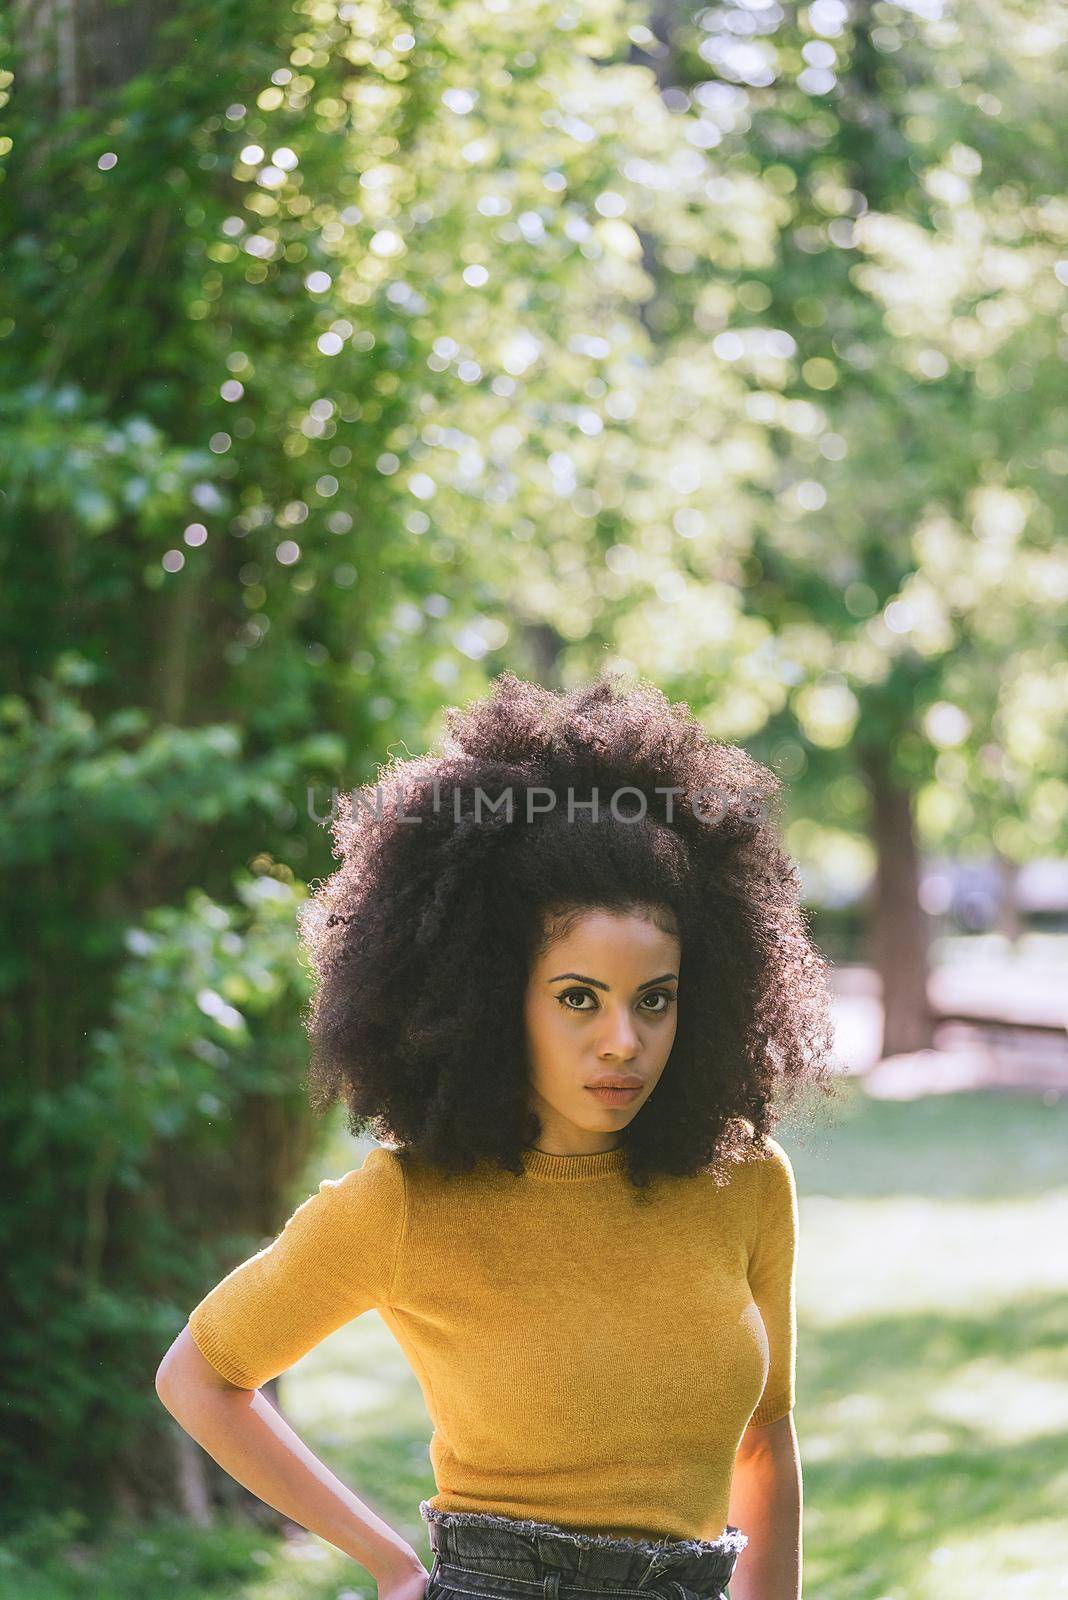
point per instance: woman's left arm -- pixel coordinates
(766, 1503)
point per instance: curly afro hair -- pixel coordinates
(450, 872)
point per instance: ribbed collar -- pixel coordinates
(572, 1169)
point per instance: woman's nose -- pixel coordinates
(619, 1038)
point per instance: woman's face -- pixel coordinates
(601, 1002)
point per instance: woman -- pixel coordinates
(562, 973)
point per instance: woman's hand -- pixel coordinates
(407, 1581)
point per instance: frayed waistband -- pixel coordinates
(732, 1541)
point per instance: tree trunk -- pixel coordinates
(72, 51)
(1009, 921)
(900, 931)
(545, 647)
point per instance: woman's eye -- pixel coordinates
(582, 994)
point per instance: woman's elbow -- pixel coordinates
(184, 1371)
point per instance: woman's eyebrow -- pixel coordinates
(597, 984)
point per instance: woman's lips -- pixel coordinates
(615, 1097)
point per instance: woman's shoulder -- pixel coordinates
(772, 1152)
(751, 1163)
(391, 1173)
(377, 1180)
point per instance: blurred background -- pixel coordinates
(352, 353)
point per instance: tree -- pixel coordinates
(900, 341)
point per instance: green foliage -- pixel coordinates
(197, 1017)
(903, 339)
(116, 1136)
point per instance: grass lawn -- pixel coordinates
(932, 1342)
(932, 1384)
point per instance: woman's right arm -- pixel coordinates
(242, 1431)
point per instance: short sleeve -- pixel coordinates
(334, 1259)
(772, 1279)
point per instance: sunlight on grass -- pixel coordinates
(913, 1255)
(1002, 1403)
(932, 1390)
(1014, 1565)
(307, 1568)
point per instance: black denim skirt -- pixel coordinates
(479, 1555)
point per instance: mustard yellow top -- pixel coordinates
(585, 1359)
